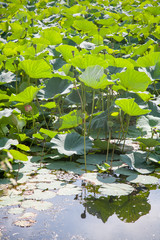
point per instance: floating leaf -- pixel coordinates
(38, 205)
(40, 195)
(137, 161)
(36, 68)
(69, 189)
(98, 179)
(130, 107)
(16, 210)
(116, 189)
(142, 179)
(70, 144)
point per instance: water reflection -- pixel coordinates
(127, 208)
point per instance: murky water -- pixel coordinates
(76, 218)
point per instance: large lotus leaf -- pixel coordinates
(149, 60)
(6, 143)
(88, 60)
(52, 36)
(85, 26)
(148, 142)
(130, 107)
(137, 161)
(133, 80)
(54, 87)
(69, 189)
(131, 208)
(36, 68)
(70, 120)
(116, 189)
(121, 63)
(142, 179)
(25, 96)
(94, 77)
(147, 123)
(142, 48)
(67, 51)
(70, 144)
(102, 207)
(7, 77)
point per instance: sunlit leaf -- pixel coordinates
(94, 77)
(25, 96)
(130, 107)
(142, 179)
(18, 155)
(36, 68)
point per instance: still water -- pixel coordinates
(86, 217)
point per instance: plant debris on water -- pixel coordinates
(79, 105)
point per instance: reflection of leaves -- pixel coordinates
(131, 208)
(102, 207)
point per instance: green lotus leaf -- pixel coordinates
(137, 161)
(88, 60)
(25, 96)
(70, 120)
(142, 48)
(130, 107)
(106, 22)
(6, 143)
(49, 105)
(54, 87)
(149, 60)
(148, 142)
(94, 77)
(18, 155)
(52, 36)
(98, 179)
(85, 26)
(36, 68)
(49, 133)
(70, 144)
(142, 179)
(23, 147)
(67, 51)
(133, 80)
(87, 45)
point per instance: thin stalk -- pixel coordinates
(128, 121)
(91, 112)
(102, 102)
(84, 126)
(108, 145)
(42, 114)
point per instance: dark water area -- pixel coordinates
(90, 218)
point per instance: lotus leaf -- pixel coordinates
(70, 144)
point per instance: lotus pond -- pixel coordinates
(79, 119)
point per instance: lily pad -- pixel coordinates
(38, 205)
(41, 195)
(69, 189)
(143, 179)
(16, 210)
(97, 179)
(137, 161)
(116, 189)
